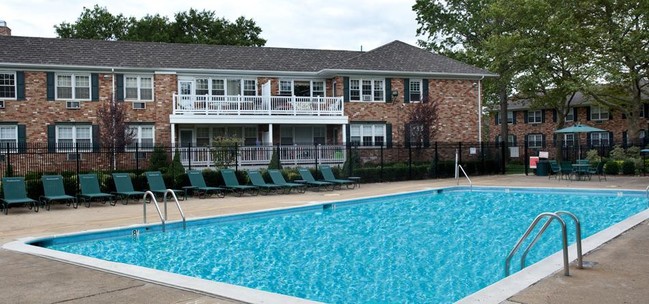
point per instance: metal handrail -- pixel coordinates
(465, 175)
(580, 263)
(182, 214)
(155, 203)
(564, 239)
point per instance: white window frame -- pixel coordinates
(598, 139)
(535, 140)
(510, 140)
(412, 85)
(139, 87)
(138, 138)
(569, 140)
(75, 133)
(73, 86)
(286, 87)
(357, 132)
(599, 113)
(571, 114)
(14, 85)
(9, 134)
(535, 117)
(376, 89)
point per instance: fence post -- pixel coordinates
(316, 149)
(526, 161)
(236, 153)
(503, 158)
(482, 156)
(189, 155)
(459, 149)
(409, 161)
(78, 165)
(137, 157)
(9, 172)
(349, 159)
(381, 170)
(436, 160)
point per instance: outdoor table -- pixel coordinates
(580, 171)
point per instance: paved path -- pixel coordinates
(620, 274)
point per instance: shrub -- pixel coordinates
(612, 168)
(618, 153)
(274, 161)
(158, 160)
(628, 167)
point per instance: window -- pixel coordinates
(249, 87)
(317, 89)
(7, 85)
(367, 90)
(202, 137)
(8, 136)
(535, 140)
(599, 139)
(535, 116)
(140, 87)
(598, 113)
(571, 115)
(415, 90)
(68, 137)
(416, 135)
(629, 141)
(202, 86)
(73, 86)
(143, 137)
(367, 134)
(510, 117)
(285, 88)
(569, 140)
(304, 88)
(511, 141)
(218, 87)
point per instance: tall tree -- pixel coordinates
(187, 27)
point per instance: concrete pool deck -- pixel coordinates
(619, 274)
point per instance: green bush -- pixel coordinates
(628, 167)
(612, 168)
(274, 161)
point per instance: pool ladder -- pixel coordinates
(564, 239)
(465, 175)
(164, 218)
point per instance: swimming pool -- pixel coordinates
(421, 243)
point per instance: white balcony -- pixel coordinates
(257, 105)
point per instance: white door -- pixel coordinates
(186, 90)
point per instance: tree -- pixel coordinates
(187, 27)
(421, 124)
(113, 129)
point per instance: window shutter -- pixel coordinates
(514, 139)
(625, 139)
(542, 116)
(543, 140)
(406, 90)
(388, 135)
(589, 140)
(95, 138)
(554, 139)
(119, 90)
(346, 89)
(22, 139)
(513, 117)
(349, 135)
(424, 97)
(50, 85)
(388, 90)
(20, 85)
(646, 109)
(51, 138)
(496, 118)
(610, 115)
(94, 83)
(610, 139)
(406, 135)
(587, 113)
(554, 115)
(525, 113)
(426, 137)
(574, 114)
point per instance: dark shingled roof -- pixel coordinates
(395, 56)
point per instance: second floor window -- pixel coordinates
(73, 86)
(571, 115)
(534, 116)
(367, 134)
(598, 113)
(7, 85)
(68, 137)
(535, 140)
(511, 140)
(599, 139)
(415, 90)
(139, 87)
(367, 90)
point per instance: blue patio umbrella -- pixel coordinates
(579, 128)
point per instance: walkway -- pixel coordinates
(620, 273)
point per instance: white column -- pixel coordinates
(173, 135)
(270, 134)
(343, 129)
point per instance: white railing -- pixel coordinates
(261, 155)
(257, 105)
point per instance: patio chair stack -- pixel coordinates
(279, 179)
(232, 183)
(257, 180)
(197, 181)
(15, 194)
(124, 188)
(309, 180)
(54, 192)
(90, 190)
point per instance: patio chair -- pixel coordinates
(555, 169)
(309, 180)
(124, 188)
(157, 185)
(54, 191)
(329, 176)
(232, 184)
(278, 179)
(15, 193)
(258, 180)
(197, 181)
(90, 190)
(598, 170)
(566, 169)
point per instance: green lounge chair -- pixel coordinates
(598, 170)
(157, 184)
(54, 191)
(278, 179)
(90, 190)
(309, 180)
(329, 176)
(124, 188)
(15, 193)
(555, 169)
(257, 180)
(231, 183)
(198, 182)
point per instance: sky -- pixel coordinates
(312, 24)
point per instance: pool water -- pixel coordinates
(425, 247)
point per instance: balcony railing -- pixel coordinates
(261, 155)
(257, 105)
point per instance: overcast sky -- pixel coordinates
(328, 24)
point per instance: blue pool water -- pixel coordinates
(425, 247)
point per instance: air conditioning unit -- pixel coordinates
(367, 97)
(139, 105)
(2, 104)
(73, 105)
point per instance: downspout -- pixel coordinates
(480, 109)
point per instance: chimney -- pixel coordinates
(4, 30)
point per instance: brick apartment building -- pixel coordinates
(187, 94)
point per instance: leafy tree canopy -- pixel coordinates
(192, 26)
